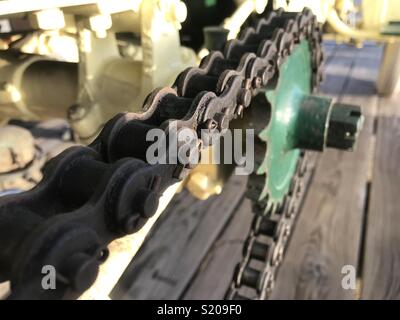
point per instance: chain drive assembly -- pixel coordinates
(91, 195)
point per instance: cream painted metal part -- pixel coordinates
(245, 9)
(389, 72)
(234, 22)
(11, 7)
(122, 252)
(319, 7)
(207, 178)
(111, 84)
(54, 44)
(16, 7)
(377, 13)
(48, 19)
(23, 79)
(359, 34)
(85, 32)
(204, 181)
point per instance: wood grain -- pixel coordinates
(328, 232)
(381, 272)
(215, 273)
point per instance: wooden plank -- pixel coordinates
(381, 277)
(4, 290)
(331, 49)
(215, 273)
(338, 67)
(327, 236)
(168, 260)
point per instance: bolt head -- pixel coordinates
(81, 271)
(130, 224)
(257, 81)
(244, 97)
(147, 201)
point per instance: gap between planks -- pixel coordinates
(381, 277)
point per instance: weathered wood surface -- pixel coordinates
(167, 262)
(329, 229)
(215, 273)
(381, 271)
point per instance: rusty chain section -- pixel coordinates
(264, 248)
(92, 195)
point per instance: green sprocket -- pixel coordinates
(279, 136)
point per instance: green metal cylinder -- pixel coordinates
(312, 123)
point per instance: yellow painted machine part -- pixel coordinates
(376, 14)
(247, 7)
